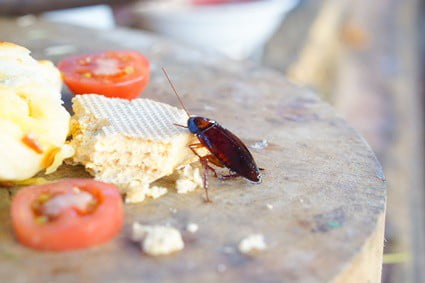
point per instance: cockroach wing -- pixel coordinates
(231, 151)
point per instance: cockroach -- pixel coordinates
(226, 149)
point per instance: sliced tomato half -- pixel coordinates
(122, 73)
(67, 215)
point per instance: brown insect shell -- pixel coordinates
(197, 124)
(226, 147)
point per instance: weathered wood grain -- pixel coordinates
(324, 183)
(313, 61)
(373, 77)
(378, 91)
(285, 48)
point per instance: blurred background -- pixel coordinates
(363, 57)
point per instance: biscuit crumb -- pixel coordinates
(189, 179)
(139, 192)
(157, 240)
(260, 144)
(192, 227)
(252, 243)
(156, 192)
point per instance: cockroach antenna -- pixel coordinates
(175, 91)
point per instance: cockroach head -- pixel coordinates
(197, 124)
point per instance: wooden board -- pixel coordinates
(368, 65)
(383, 73)
(324, 183)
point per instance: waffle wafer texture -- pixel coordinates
(130, 143)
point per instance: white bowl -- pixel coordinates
(237, 30)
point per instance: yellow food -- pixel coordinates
(18, 70)
(33, 123)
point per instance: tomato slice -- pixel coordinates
(122, 74)
(67, 215)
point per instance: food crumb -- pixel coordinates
(138, 192)
(156, 192)
(184, 186)
(192, 227)
(260, 144)
(252, 243)
(157, 240)
(189, 179)
(269, 206)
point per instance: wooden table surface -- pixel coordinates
(324, 183)
(365, 59)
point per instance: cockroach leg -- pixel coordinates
(195, 145)
(208, 167)
(214, 160)
(204, 162)
(227, 177)
(207, 158)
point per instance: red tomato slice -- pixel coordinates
(122, 74)
(67, 215)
